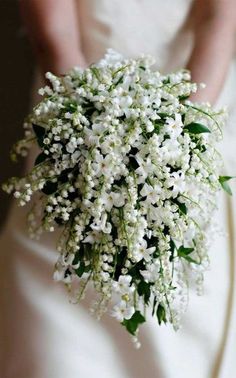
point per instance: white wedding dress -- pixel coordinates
(42, 335)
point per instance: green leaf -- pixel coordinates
(120, 259)
(157, 126)
(71, 107)
(96, 72)
(40, 133)
(49, 187)
(82, 269)
(154, 305)
(185, 252)
(144, 290)
(224, 184)
(182, 251)
(190, 259)
(59, 221)
(161, 314)
(172, 249)
(172, 245)
(64, 175)
(38, 130)
(133, 162)
(163, 115)
(133, 323)
(184, 97)
(40, 158)
(119, 81)
(196, 128)
(182, 207)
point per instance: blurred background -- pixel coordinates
(16, 67)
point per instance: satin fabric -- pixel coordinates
(45, 336)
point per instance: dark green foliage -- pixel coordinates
(196, 128)
(67, 273)
(133, 151)
(182, 98)
(161, 314)
(182, 207)
(119, 81)
(133, 162)
(134, 272)
(83, 254)
(82, 269)
(71, 107)
(157, 126)
(132, 324)
(119, 182)
(144, 289)
(120, 259)
(59, 221)
(40, 158)
(154, 306)
(50, 187)
(185, 252)
(64, 175)
(224, 184)
(39, 133)
(172, 249)
(89, 109)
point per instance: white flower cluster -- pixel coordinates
(128, 167)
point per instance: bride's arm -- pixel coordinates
(54, 33)
(214, 27)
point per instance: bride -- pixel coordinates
(44, 336)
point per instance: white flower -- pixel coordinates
(110, 57)
(102, 224)
(72, 145)
(105, 276)
(174, 126)
(17, 194)
(111, 143)
(122, 311)
(170, 150)
(123, 285)
(177, 182)
(145, 168)
(102, 166)
(152, 193)
(93, 135)
(112, 199)
(151, 274)
(118, 199)
(143, 252)
(93, 237)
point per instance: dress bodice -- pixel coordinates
(134, 27)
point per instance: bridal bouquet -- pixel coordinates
(129, 171)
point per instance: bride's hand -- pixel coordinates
(54, 32)
(214, 28)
